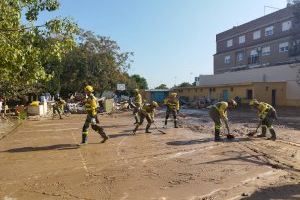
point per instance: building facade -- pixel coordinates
(288, 75)
(267, 41)
(157, 95)
(270, 92)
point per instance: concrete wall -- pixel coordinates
(261, 91)
(194, 93)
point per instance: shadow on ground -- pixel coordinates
(44, 148)
(120, 135)
(291, 192)
(205, 140)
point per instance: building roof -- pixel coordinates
(274, 17)
(228, 85)
(158, 90)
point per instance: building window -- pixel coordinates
(229, 43)
(286, 25)
(227, 60)
(269, 31)
(266, 51)
(284, 47)
(254, 58)
(256, 35)
(240, 56)
(242, 39)
(249, 94)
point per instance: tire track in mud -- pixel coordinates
(274, 157)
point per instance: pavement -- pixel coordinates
(42, 160)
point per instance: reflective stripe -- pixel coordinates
(218, 127)
(85, 133)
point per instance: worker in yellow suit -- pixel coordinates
(138, 101)
(173, 106)
(147, 112)
(58, 106)
(217, 113)
(267, 114)
(91, 119)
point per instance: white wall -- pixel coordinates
(286, 73)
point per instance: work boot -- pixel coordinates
(230, 136)
(84, 139)
(273, 134)
(166, 122)
(104, 136)
(147, 129)
(136, 120)
(263, 132)
(135, 129)
(175, 124)
(217, 135)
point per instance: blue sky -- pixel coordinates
(173, 40)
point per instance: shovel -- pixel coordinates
(252, 133)
(158, 129)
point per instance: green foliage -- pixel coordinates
(140, 81)
(292, 2)
(185, 84)
(97, 61)
(27, 49)
(162, 86)
(37, 58)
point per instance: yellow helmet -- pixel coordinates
(89, 88)
(173, 94)
(154, 104)
(253, 102)
(232, 102)
(136, 90)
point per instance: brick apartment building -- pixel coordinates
(271, 40)
(259, 59)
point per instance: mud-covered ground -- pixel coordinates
(41, 160)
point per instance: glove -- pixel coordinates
(93, 121)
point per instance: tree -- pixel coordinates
(292, 2)
(140, 81)
(27, 49)
(185, 84)
(162, 86)
(97, 61)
